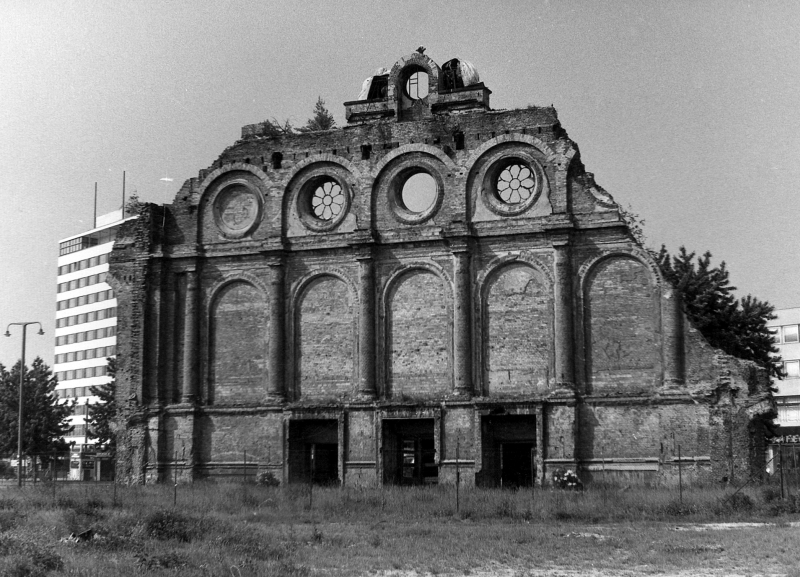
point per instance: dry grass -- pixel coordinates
(246, 530)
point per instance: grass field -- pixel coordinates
(240, 530)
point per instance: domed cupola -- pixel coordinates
(417, 88)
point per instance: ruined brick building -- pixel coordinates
(437, 285)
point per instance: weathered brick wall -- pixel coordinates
(519, 336)
(560, 426)
(419, 337)
(239, 325)
(621, 328)
(226, 437)
(362, 443)
(458, 446)
(325, 340)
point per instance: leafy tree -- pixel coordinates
(322, 119)
(44, 418)
(635, 223)
(102, 414)
(275, 127)
(738, 327)
(134, 206)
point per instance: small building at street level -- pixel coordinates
(436, 288)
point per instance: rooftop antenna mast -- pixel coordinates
(123, 194)
(94, 225)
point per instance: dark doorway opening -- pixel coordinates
(314, 451)
(409, 452)
(516, 469)
(509, 448)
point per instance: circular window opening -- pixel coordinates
(419, 192)
(327, 200)
(416, 85)
(516, 183)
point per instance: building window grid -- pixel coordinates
(89, 317)
(85, 300)
(86, 336)
(77, 431)
(82, 264)
(74, 392)
(790, 334)
(98, 353)
(87, 241)
(84, 373)
(82, 282)
(791, 369)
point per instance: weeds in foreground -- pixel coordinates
(265, 530)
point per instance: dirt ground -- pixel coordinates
(600, 534)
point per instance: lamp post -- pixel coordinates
(21, 381)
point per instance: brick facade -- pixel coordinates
(291, 312)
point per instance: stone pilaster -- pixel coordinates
(564, 338)
(672, 326)
(366, 327)
(276, 389)
(462, 323)
(189, 390)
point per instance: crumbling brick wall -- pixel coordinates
(243, 312)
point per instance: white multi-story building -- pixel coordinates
(86, 320)
(787, 336)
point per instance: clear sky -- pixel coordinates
(687, 111)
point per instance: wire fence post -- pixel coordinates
(311, 480)
(780, 464)
(458, 477)
(175, 488)
(54, 476)
(114, 479)
(603, 460)
(533, 477)
(680, 475)
(789, 481)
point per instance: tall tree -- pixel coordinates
(102, 414)
(45, 420)
(321, 119)
(738, 327)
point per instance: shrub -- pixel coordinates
(166, 524)
(267, 479)
(23, 558)
(566, 479)
(678, 509)
(735, 503)
(770, 494)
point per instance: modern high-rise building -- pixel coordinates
(787, 337)
(786, 328)
(86, 319)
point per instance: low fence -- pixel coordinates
(58, 466)
(320, 467)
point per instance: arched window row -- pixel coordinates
(513, 332)
(409, 184)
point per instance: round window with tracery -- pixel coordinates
(327, 200)
(515, 184)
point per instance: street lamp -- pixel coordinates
(21, 380)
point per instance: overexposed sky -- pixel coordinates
(686, 110)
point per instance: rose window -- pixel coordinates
(515, 184)
(328, 200)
